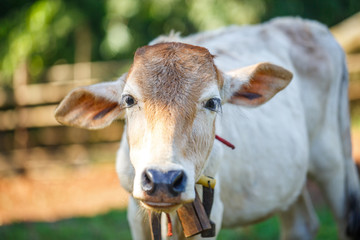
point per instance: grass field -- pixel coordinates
(113, 225)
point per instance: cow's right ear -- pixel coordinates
(256, 84)
(92, 107)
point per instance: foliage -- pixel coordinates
(43, 33)
(329, 12)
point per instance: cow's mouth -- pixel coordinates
(161, 206)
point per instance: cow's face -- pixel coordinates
(170, 99)
(172, 96)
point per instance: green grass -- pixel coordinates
(113, 225)
(269, 230)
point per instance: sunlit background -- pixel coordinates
(50, 172)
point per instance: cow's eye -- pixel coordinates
(128, 100)
(213, 104)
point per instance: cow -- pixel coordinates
(277, 91)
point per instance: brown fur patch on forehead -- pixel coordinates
(173, 73)
(171, 77)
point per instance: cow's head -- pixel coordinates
(170, 99)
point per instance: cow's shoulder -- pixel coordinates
(313, 49)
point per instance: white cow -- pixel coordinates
(180, 92)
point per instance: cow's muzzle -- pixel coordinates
(170, 184)
(162, 190)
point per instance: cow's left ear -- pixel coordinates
(92, 107)
(254, 85)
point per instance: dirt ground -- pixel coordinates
(59, 193)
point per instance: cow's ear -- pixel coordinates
(92, 107)
(254, 85)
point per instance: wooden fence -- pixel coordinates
(30, 137)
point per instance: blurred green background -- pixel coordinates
(51, 174)
(44, 33)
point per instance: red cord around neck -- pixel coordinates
(225, 142)
(169, 225)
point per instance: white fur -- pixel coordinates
(277, 144)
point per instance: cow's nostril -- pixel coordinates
(147, 177)
(147, 182)
(178, 182)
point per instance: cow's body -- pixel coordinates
(303, 130)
